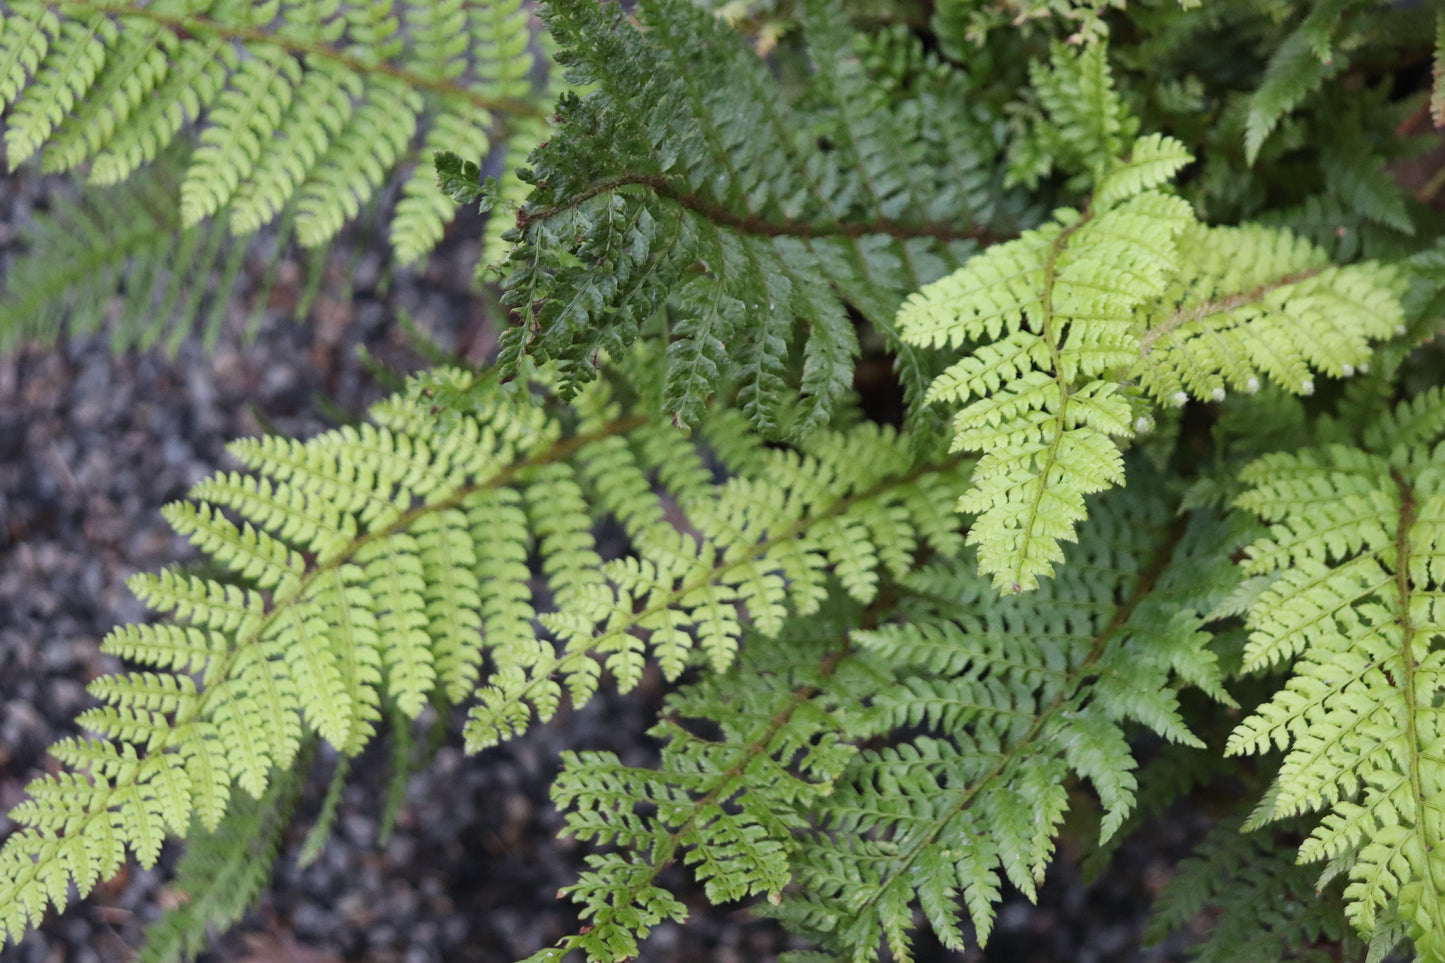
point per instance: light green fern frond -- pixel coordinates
(1041, 397)
(1065, 325)
(363, 563)
(1357, 548)
(762, 545)
(1088, 125)
(1235, 314)
(309, 101)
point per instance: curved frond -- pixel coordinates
(1356, 542)
(374, 568)
(706, 210)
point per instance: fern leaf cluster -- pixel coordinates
(1356, 554)
(1169, 288)
(376, 568)
(1076, 326)
(988, 708)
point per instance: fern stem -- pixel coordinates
(1406, 683)
(750, 224)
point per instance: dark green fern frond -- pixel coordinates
(1318, 48)
(685, 197)
(1357, 550)
(994, 703)
(1262, 904)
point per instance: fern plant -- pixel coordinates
(1168, 465)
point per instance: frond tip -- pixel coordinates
(1075, 330)
(1041, 396)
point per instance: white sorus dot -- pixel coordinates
(1347, 369)
(1252, 385)
(1217, 394)
(1178, 399)
(1365, 368)
(1143, 424)
(1399, 330)
(1308, 388)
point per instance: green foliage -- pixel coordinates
(686, 198)
(1264, 905)
(1359, 555)
(1130, 291)
(291, 114)
(989, 705)
(1156, 265)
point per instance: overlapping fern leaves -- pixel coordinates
(377, 567)
(298, 114)
(990, 704)
(1076, 330)
(705, 247)
(1357, 554)
(987, 708)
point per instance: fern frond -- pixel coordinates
(730, 806)
(362, 563)
(1356, 538)
(258, 96)
(372, 141)
(1058, 303)
(70, 66)
(1065, 324)
(1088, 124)
(1234, 315)
(1299, 65)
(222, 871)
(337, 92)
(990, 703)
(709, 205)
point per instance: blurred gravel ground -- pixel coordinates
(91, 446)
